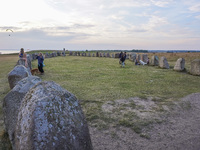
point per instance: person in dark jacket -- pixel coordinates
(120, 56)
(40, 63)
(123, 59)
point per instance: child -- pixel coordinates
(40, 62)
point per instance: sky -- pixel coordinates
(100, 24)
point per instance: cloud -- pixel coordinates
(161, 3)
(195, 8)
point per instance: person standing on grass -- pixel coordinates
(40, 63)
(22, 55)
(120, 56)
(123, 60)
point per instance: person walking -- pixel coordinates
(40, 63)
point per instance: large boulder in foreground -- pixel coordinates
(195, 67)
(51, 118)
(18, 73)
(12, 102)
(163, 63)
(180, 65)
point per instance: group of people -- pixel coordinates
(40, 58)
(122, 58)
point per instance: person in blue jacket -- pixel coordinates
(40, 63)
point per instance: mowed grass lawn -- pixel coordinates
(94, 81)
(102, 79)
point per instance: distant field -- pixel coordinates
(96, 81)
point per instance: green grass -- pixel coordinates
(103, 79)
(95, 81)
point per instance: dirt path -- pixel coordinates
(179, 131)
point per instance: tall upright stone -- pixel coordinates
(195, 67)
(163, 63)
(180, 64)
(145, 58)
(154, 60)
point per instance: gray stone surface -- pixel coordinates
(12, 102)
(51, 118)
(163, 63)
(145, 58)
(180, 64)
(195, 67)
(154, 60)
(18, 73)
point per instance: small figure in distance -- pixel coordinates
(123, 60)
(40, 62)
(22, 55)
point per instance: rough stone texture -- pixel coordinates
(100, 54)
(154, 61)
(195, 67)
(12, 102)
(51, 118)
(108, 55)
(138, 57)
(97, 54)
(22, 62)
(18, 73)
(145, 58)
(163, 63)
(180, 64)
(116, 55)
(58, 53)
(132, 57)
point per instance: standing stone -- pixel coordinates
(79, 53)
(89, 55)
(51, 118)
(12, 102)
(180, 64)
(195, 67)
(58, 53)
(22, 62)
(108, 55)
(104, 54)
(15, 75)
(113, 56)
(163, 63)
(145, 58)
(132, 57)
(116, 55)
(70, 53)
(154, 61)
(100, 54)
(93, 55)
(97, 54)
(138, 57)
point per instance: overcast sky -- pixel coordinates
(100, 24)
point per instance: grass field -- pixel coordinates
(96, 81)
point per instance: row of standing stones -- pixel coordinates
(42, 115)
(154, 61)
